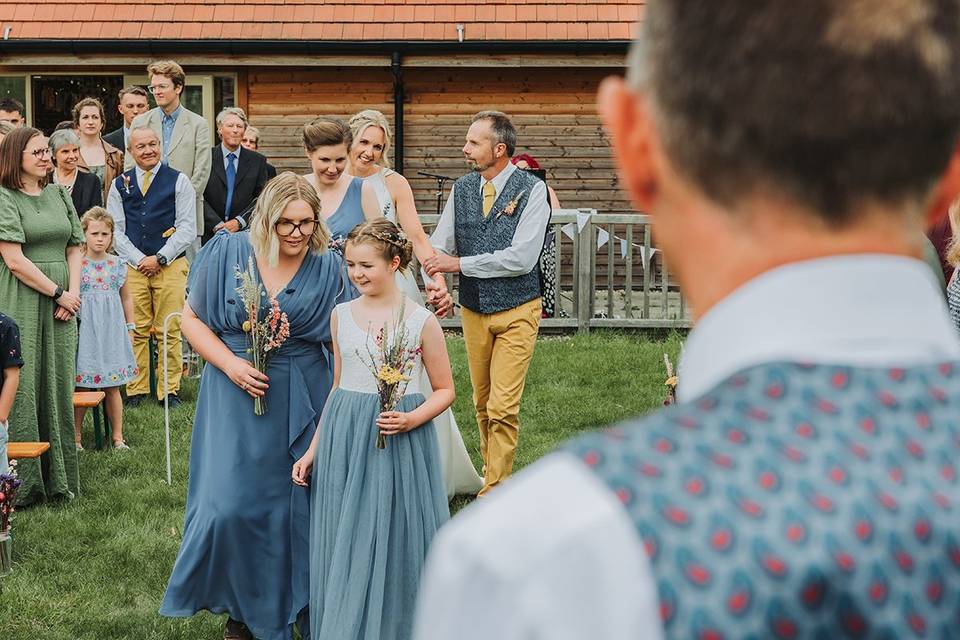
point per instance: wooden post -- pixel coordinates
(628, 281)
(557, 299)
(611, 271)
(647, 264)
(585, 250)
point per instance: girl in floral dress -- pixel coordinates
(105, 355)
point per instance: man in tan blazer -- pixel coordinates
(184, 135)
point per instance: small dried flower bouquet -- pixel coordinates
(391, 365)
(267, 335)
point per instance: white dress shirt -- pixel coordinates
(553, 555)
(185, 222)
(226, 152)
(524, 251)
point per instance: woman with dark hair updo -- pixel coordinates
(345, 200)
(97, 156)
(378, 494)
(245, 537)
(40, 242)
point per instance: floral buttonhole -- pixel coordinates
(511, 207)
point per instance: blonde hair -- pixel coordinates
(97, 214)
(391, 242)
(953, 248)
(280, 192)
(367, 118)
(325, 131)
(167, 68)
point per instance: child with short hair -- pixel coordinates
(11, 359)
(375, 510)
(105, 354)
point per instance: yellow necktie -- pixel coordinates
(489, 195)
(147, 175)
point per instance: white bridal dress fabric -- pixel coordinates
(459, 474)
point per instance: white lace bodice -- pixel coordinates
(379, 184)
(354, 342)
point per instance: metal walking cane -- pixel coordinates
(166, 396)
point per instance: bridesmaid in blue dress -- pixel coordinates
(245, 548)
(345, 200)
(375, 510)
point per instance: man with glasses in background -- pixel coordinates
(153, 209)
(184, 135)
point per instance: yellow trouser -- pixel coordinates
(499, 348)
(153, 300)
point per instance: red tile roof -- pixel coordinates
(357, 20)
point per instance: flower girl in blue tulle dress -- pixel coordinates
(375, 510)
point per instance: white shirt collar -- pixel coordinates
(226, 151)
(500, 179)
(153, 172)
(864, 310)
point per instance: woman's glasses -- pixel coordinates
(285, 228)
(41, 153)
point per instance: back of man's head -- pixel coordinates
(834, 104)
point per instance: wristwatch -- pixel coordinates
(162, 260)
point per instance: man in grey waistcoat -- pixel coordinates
(491, 233)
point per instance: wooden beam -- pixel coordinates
(243, 89)
(45, 61)
(612, 60)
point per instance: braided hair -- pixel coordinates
(391, 241)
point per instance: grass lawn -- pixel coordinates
(96, 568)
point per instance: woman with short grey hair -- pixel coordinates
(84, 188)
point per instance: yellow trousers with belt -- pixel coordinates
(154, 299)
(499, 348)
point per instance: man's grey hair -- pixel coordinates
(831, 103)
(141, 127)
(63, 137)
(501, 129)
(232, 111)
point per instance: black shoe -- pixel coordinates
(174, 401)
(236, 630)
(136, 401)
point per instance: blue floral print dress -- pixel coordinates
(104, 356)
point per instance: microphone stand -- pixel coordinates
(440, 180)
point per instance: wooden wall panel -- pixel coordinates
(554, 109)
(281, 101)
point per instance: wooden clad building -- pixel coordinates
(285, 63)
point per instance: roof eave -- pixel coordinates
(318, 47)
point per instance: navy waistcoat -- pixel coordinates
(149, 217)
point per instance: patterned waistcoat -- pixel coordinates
(799, 502)
(149, 217)
(476, 234)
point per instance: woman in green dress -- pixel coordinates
(39, 288)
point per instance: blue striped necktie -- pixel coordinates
(231, 183)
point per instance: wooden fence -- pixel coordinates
(609, 274)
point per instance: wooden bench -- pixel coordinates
(26, 449)
(93, 399)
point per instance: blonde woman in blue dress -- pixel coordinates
(369, 159)
(375, 510)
